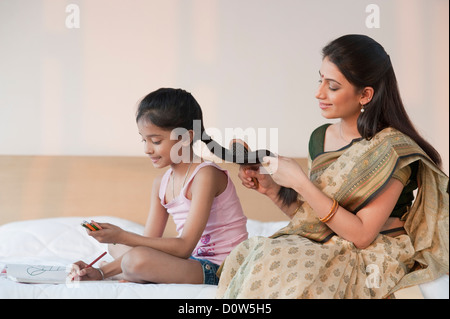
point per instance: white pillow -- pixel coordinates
(63, 238)
(55, 238)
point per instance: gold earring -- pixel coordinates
(362, 108)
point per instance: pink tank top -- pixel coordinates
(226, 226)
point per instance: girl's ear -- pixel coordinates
(188, 138)
(367, 95)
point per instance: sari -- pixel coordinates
(306, 259)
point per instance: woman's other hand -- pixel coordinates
(284, 171)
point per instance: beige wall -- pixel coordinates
(250, 64)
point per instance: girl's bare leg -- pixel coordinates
(118, 250)
(144, 264)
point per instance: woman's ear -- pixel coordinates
(367, 95)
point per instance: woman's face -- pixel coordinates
(337, 97)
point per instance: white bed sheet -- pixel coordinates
(61, 241)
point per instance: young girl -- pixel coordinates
(199, 195)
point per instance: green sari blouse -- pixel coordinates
(407, 175)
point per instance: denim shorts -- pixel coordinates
(209, 271)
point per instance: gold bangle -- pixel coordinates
(333, 211)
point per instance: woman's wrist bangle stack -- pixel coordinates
(333, 210)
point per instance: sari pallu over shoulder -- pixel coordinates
(353, 176)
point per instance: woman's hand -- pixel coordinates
(284, 171)
(80, 272)
(265, 184)
(109, 234)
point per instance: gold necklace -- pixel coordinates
(173, 180)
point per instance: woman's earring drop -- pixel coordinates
(362, 106)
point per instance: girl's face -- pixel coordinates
(157, 143)
(337, 97)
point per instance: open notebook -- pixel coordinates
(37, 274)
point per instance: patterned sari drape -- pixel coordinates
(306, 260)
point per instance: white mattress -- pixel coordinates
(61, 241)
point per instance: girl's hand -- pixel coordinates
(284, 171)
(265, 184)
(109, 234)
(79, 272)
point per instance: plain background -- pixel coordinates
(251, 64)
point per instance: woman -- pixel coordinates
(354, 232)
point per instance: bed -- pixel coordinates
(61, 241)
(43, 200)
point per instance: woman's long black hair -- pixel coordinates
(364, 62)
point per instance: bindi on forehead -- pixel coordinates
(328, 79)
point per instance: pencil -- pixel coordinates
(84, 225)
(89, 226)
(95, 224)
(97, 259)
